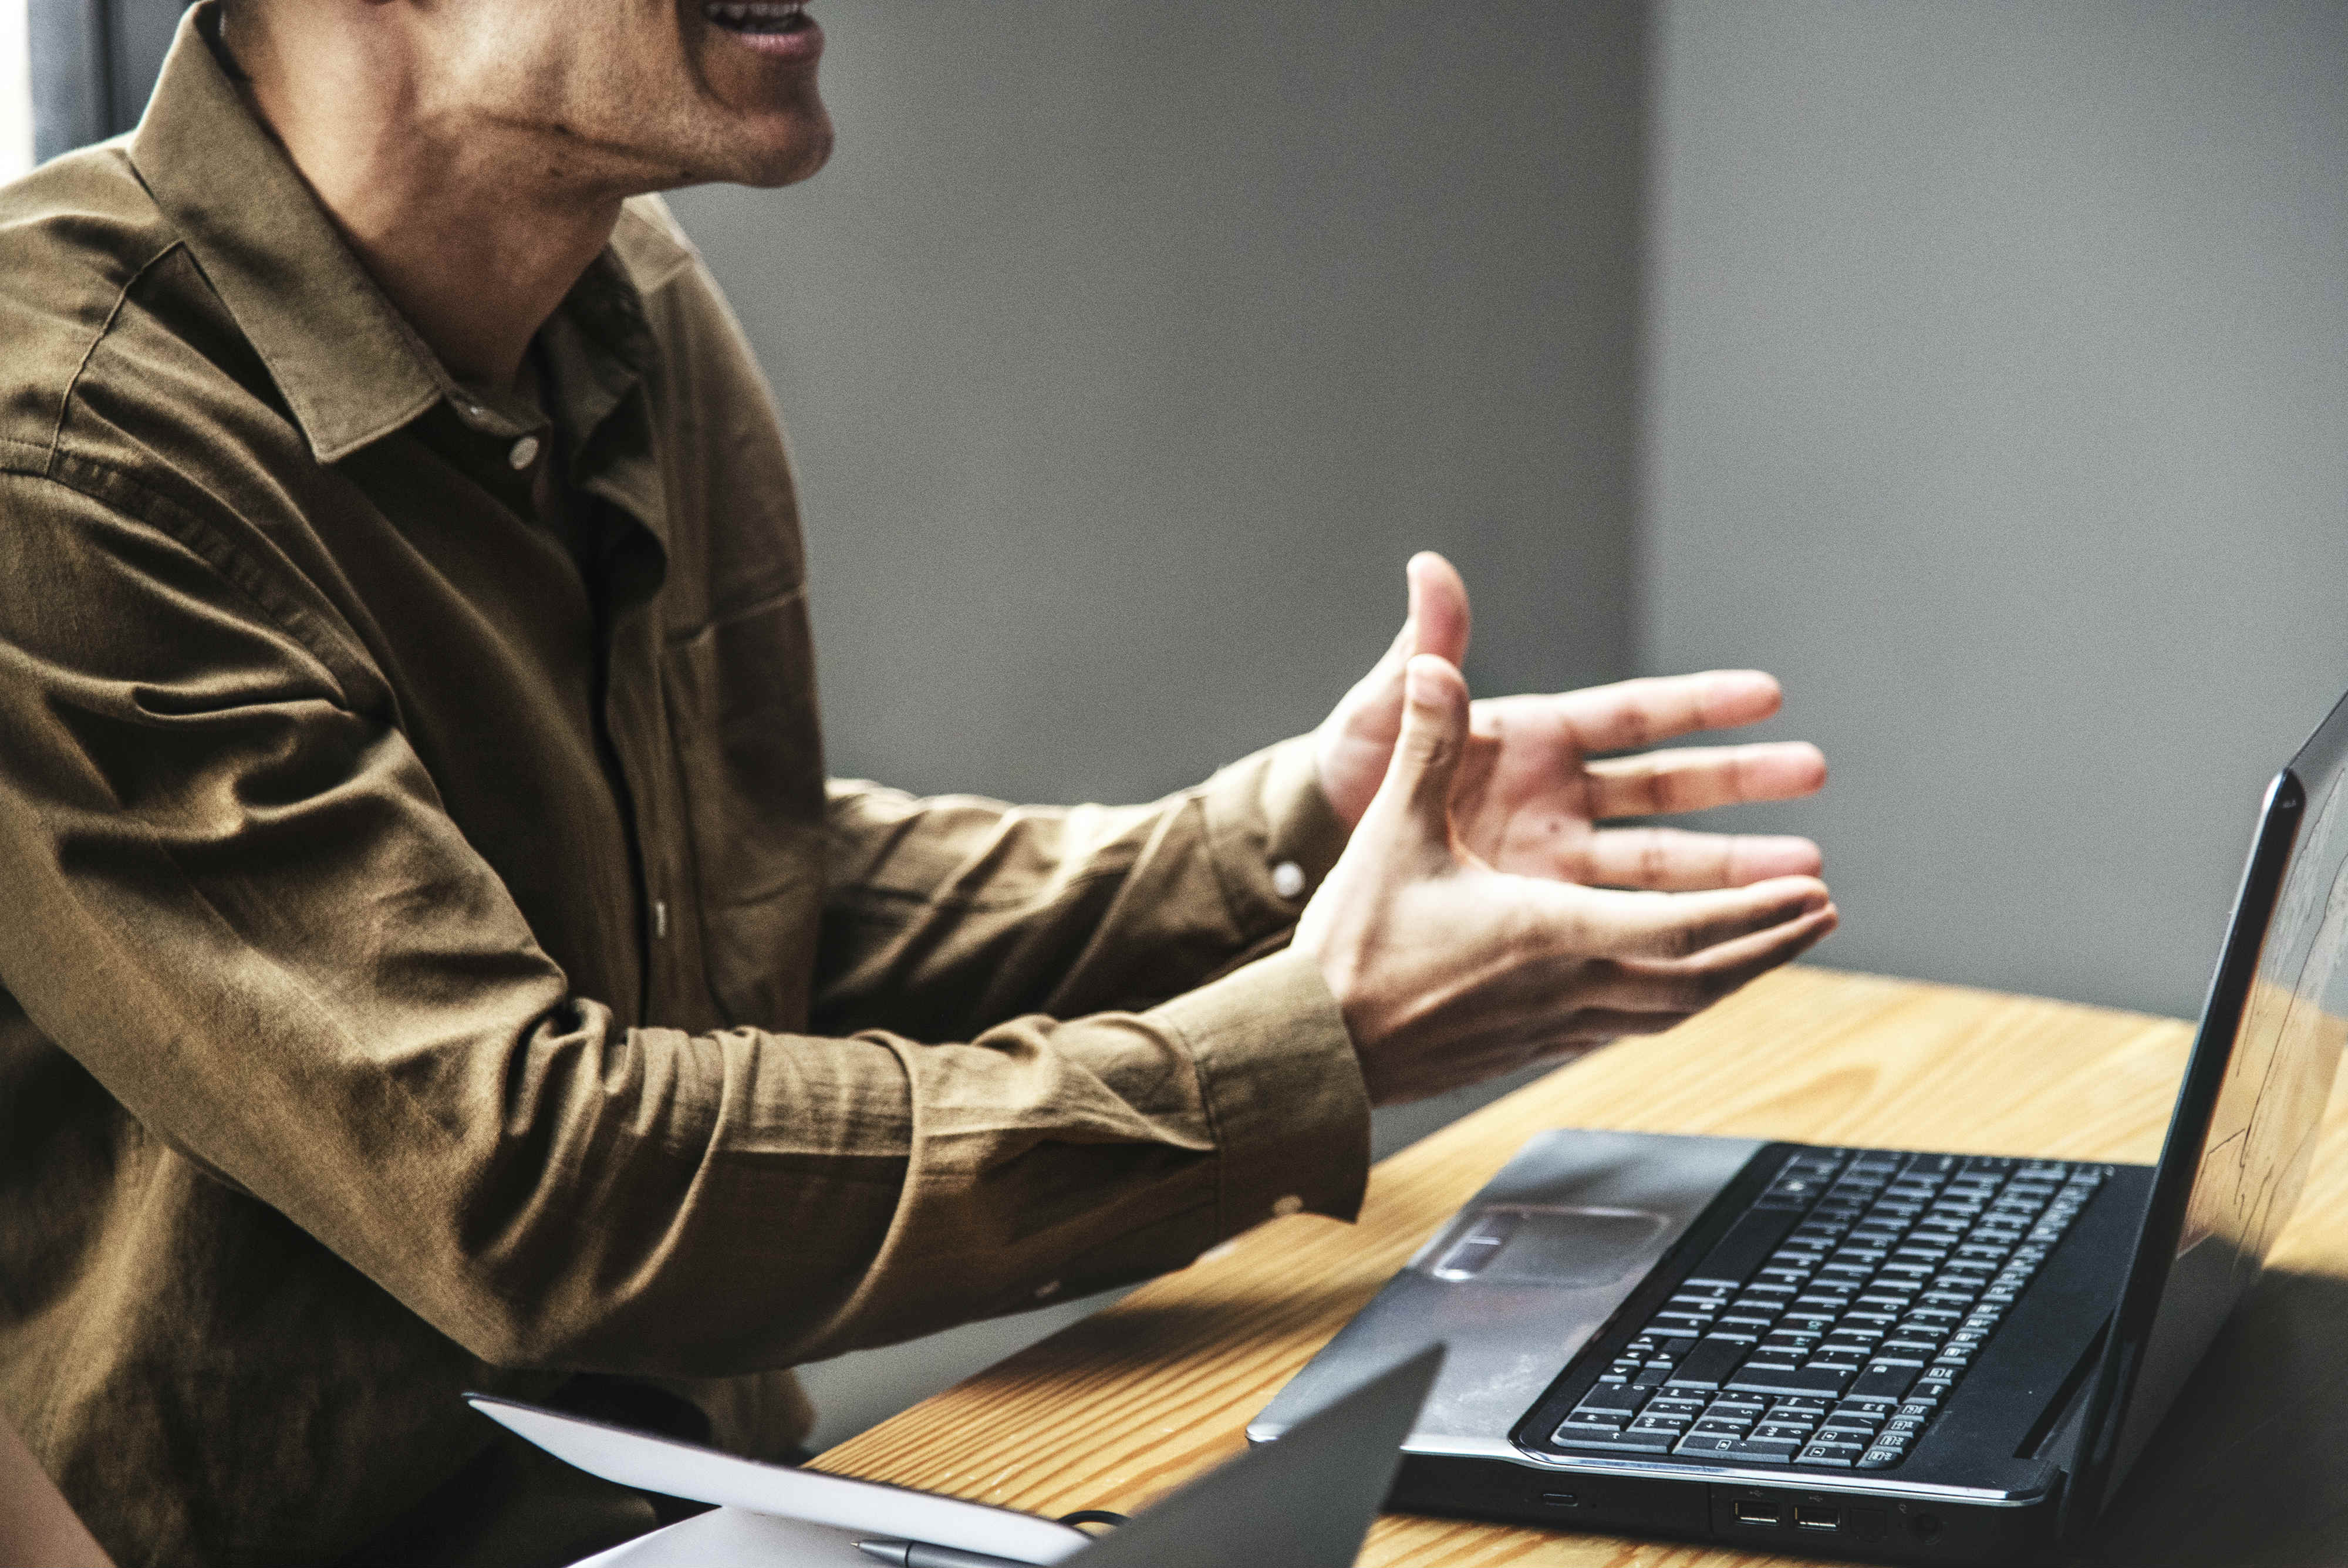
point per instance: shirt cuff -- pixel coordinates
(1272, 834)
(1283, 1091)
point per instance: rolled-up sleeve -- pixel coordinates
(242, 906)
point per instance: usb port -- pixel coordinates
(1812, 1516)
(1751, 1510)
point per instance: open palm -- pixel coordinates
(1534, 789)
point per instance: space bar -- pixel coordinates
(1789, 1380)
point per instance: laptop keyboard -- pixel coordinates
(1829, 1323)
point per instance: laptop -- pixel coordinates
(1307, 1503)
(1912, 1356)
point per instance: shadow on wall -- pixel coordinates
(1129, 350)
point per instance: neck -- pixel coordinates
(469, 225)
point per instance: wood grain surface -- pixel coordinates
(2252, 1468)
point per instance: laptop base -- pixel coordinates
(1555, 1284)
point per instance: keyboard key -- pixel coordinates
(1620, 1403)
(1879, 1459)
(1828, 1381)
(1841, 1455)
(1722, 1427)
(1884, 1380)
(1710, 1364)
(1740, 1252)
(1621, 1442)
(1738, 1451)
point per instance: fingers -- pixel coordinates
(1698, 778)
(1679, 924)
(1413, 801)
(1672, 860)
(1439, 607)
(1696, 982)
(1636, 713)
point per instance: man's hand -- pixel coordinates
(1450, 970)
(1528, 799)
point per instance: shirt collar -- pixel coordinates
(347, 363)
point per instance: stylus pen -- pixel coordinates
(915, 1554)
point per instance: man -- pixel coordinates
(434, 958)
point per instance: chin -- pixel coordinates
(775, 147)
(785, 165)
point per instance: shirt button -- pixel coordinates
(1291, 1204)
(1288, 878)
(524, 453)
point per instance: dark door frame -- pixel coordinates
(94, 63)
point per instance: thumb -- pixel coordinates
(1414, 800)
(1440, 619)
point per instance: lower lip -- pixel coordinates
(802, 42)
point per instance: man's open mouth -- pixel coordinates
(757, 16)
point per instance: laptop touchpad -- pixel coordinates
(1529, 1245)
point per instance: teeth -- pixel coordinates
(752, 12)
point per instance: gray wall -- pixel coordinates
(1999, 401)
(1128, 352)
(1979, 368)
(1129, 349)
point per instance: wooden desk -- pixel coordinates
(2250, 1469)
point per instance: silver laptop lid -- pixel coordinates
(1305, 1502)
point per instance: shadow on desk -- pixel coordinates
(2250, 1468)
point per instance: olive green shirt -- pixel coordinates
(433, 957)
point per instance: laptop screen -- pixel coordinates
(2253, 1101)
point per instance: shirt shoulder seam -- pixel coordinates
(97, 339)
